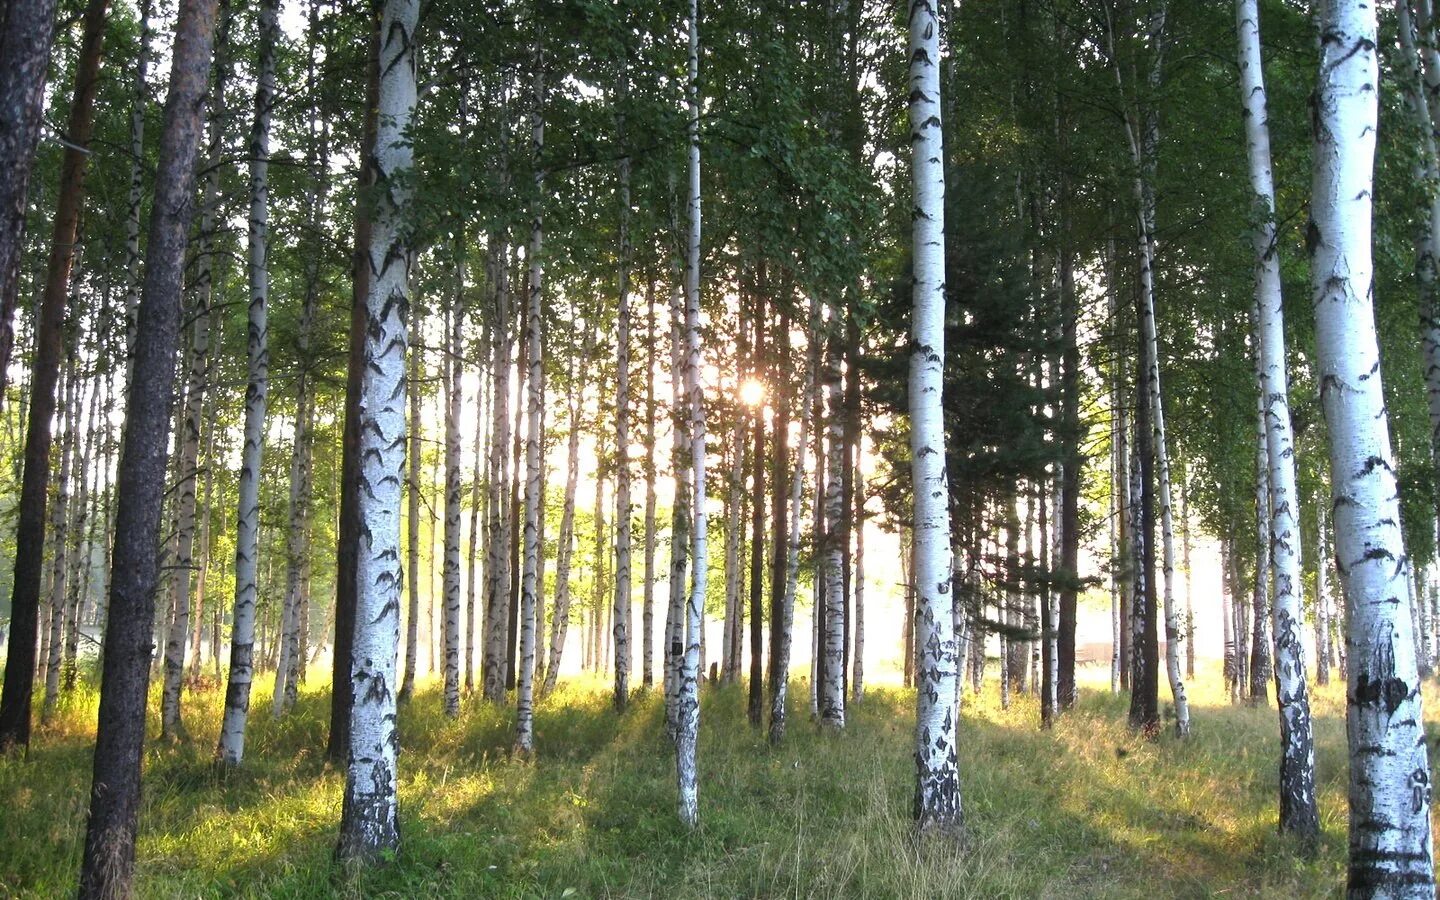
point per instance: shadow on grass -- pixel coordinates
(1086, 810)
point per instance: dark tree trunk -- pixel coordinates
(29, 29)
(348, 531)
(757, 529)
(1145, 680)
(109, 858)
(1071, 461)
(30, 525)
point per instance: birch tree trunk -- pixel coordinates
(452, 489)
(560, 619)
(1322, 597)
(297, 543)
(937, 785)
(647, 615)
(688, 700)
(108, 863)
(60, 535)
(369, 826)
(782, 627)
(622, 428)
(497, 554)
(188, 440)
(477, 500)
(832, 634)
(413, 459)
(1298, 812)
(680, 524)
(1260, 591)
(1391, 847)
(535, 386)
(247, 528)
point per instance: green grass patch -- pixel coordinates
(1088, 810)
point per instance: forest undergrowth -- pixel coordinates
(1088, 810)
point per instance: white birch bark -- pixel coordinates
(937, 789)
(413, 458)
(297, 541)
(497, 554)
(1322, 597)
(1260, 662)
(369, 826)
(231, 749)
(792, 558)
(857, 665)
(688, 701)
(451, 563)
(680, 524)
(564, 552)
(832, 649)
(621, 612)
(477, 500)
(535, 386)
(1298, 812)
(60, 539)
(647, 615)
(171, 726)
(1391, 847)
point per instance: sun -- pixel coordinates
(752, 392)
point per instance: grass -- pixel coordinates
(1088, 810)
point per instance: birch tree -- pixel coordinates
(197, 381)
(535, 385)
(369, 826)
(622, 422)
(1391, 847)
(937, 784)
(451, 575)
(247, 528)
(687, 730)
(1298, 813)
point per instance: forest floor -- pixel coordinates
(1087, 810)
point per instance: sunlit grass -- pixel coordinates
(1088, 810)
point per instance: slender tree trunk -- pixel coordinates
(497, 557)
(622, 427)
(22, 86)
(781, 612)
(857, 662)
(1322, 597)
(247, 529)
(1298, 812)
(25, 48)
(197, 381)
(560, 619)
(412, 504)
(756, 698)
(534, 476)
(937, 786)
(647, 616)
(369, 826)
(1259, 686)
(477, 500)
(60, 531)
(452, 488)
(688, 701)
(297, 543)
(832, 634)
(109, 857)
(1391, 847)
(782, 627)
(680, 524)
